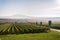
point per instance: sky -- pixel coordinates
(29, 8)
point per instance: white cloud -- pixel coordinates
(58, 2)
(33, 9)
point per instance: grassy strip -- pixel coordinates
(36, 36)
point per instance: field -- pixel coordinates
(27, 31)
(21, 28)
(55, 25)
(36, 36)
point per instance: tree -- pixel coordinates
(36, 23)
(40, 23)
(50, 22)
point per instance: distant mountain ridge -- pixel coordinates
(32, 19)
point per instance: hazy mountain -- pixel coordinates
(31, 19)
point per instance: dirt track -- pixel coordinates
(55, 30)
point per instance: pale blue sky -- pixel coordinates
(31, 8)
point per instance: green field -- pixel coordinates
(27, 31)
(21, 28)
(36, 36)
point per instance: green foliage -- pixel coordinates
(17, 28)
(49, 23)
(40, 23)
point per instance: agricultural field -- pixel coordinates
(55, 25)
(27, 31)
(21, 28)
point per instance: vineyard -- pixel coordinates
(21, 28)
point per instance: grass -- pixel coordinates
(36, 36)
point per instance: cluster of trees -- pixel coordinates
(49, 23)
